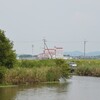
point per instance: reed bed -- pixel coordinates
(88, 68)
(35, 63)
(32, 71)
(32, 75)
(29, 72)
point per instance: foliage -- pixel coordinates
(7, 54)
(36, 71)
(88, 68)
(31, 75)
(64, 67)
(53, 74)
(35, 63)
(29, 72)
(2, 73)
(32, 71)
(59, 62)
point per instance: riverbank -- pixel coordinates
(5, 85)
(30, 72)
(36, 71)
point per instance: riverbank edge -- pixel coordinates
(10, 85)
(7, 86)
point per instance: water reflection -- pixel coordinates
(7, 93)
(77, 88)
(46, 91)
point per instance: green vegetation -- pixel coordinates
(35, 63)
(27, 71)
(17, 72)
(32, 71)
(88, 68)
(31, 75)
(2, 73)
(7, 54)
(64, 67)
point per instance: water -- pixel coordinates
(77, 88)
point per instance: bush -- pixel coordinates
(2, 74)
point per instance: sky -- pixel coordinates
(63, 23)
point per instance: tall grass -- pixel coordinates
(32, 71)
(32, 75)
(29, 72)
(88, 68)
(35, 63)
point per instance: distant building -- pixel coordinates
(56, 52)
(59, 52)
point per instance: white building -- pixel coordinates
(56, 52)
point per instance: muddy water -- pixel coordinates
(77, 88)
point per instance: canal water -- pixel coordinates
(76, 88)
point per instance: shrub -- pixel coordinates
(2, 73)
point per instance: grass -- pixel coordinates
(30, 72)
(33, 71)
(35, 63)
(32, 75)
(88, 68)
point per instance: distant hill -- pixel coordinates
(78, 53)
(95, 53)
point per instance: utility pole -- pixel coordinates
(85, 48)
(32, 48)
(44, 42)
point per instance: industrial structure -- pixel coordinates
(53, 53)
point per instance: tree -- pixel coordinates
(7, 54)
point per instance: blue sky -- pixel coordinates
(63, 23)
